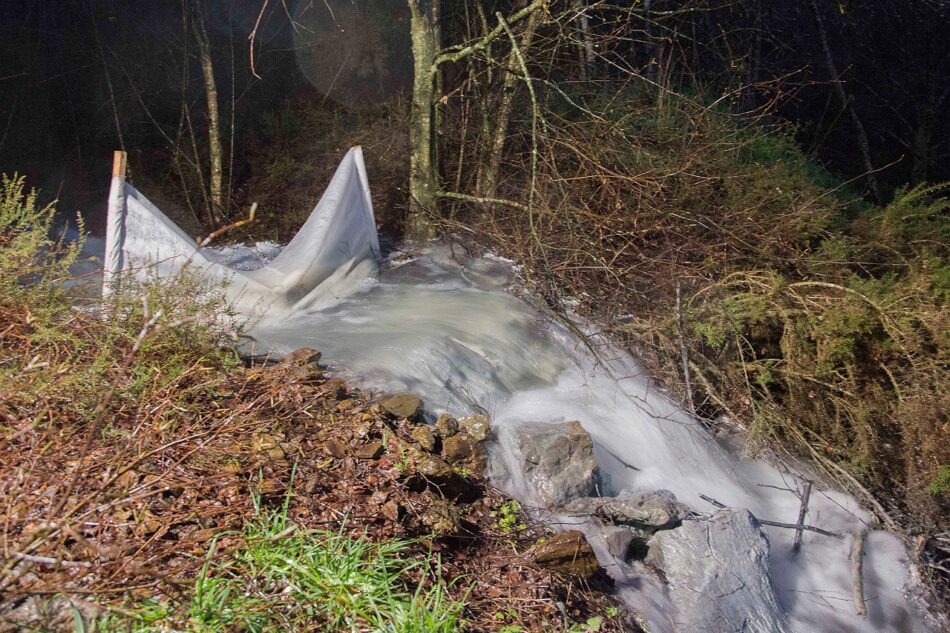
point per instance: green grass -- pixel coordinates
(287, 579)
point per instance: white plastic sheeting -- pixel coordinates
(334, 249)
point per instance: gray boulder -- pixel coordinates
(558, 462)
(625, 543)
(648, 511)
(717, 570)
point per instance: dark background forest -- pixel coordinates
(79, 78)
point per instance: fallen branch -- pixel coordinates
(229, 227)
(806, 493)
(46, 560)
(857, 565)
(684, 354)
(790, 526)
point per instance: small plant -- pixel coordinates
(402, 466)
(940, 483)
(591, 625)
(507, 517)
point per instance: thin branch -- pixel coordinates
(461, 52)
(253, 36)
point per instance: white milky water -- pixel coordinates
(442, 326)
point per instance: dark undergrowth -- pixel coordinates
(818, 322)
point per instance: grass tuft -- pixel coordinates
(283, 579)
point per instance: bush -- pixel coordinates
(818, 320)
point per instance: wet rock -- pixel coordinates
(649, 511)
(626, 543)
(477, 426)
(558, 462)
(301, 357)
(402, 405)
(373, 450)
(568, 553)
(718, 574)
(337, 387)
(424, 436)
(446, 426)
(442, 518)
(462, 449)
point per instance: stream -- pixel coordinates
(448, 327)
(441, 324)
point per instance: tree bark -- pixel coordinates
(488, 177)
(860, 134)
(423, 185)
(586, 45)
(215, 152)
(922, 151)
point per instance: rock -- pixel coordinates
(337, 387)
(477, 426)
(49, 613)
(464, 450)
(391, 510)
(424, 435)
(301, 357)
(430, 471)
(431, 467)
(649, 511)
(402, 405)
(568, 553)
(558, 462)
(373, 450)
(446, 426)
(626, 543)
(263, 442)
(442, 517)
(717, 570)
(336, 448)
(276, 454)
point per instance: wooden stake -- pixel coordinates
(806, 493)
(119, 160)
(684, 354)
(857, 565)
(115, 225)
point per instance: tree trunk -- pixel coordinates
(860, 134)
(423, 180)
(586, 45)
(214, 124)
(922, 150)
(488, 177)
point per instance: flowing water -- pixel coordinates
(441, 324)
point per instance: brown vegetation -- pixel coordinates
(138, 448)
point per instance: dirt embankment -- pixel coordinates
(163, 491)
